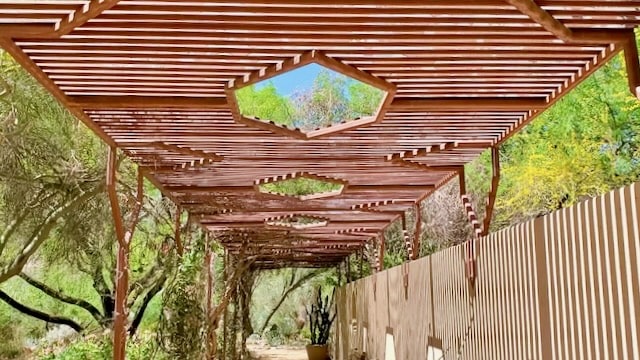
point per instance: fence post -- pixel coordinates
(542, 282)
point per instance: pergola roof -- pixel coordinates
(149, 77)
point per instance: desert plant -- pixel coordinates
(320, 318)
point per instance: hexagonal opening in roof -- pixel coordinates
(309, 96)
(302, 186)
(297, 221)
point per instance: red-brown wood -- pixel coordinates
(152, 79)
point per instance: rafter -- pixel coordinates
(557, 28)
(82, 15)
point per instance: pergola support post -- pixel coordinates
(124, 237)
(633, 64)
(361, 263)
(209, 259)
(462, 182)
(495, 182)
(120, 313)
(418, 231)
(178, 231)
(405, 237)
(225, 325)
(381, 255)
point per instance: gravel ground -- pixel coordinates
(262, 351)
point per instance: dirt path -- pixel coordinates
(261, 352)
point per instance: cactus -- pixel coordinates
(320, 318)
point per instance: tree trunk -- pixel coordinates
(292, 287)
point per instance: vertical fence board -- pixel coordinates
(562, 286)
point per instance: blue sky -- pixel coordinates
(298, 79)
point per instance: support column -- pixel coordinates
(381, 256)
(633, 64)
(418, 231)
(124, 237)
(211, 341)
(120, 311)
(462, 182)
(225, 325)
(495, 182)
(178, 232)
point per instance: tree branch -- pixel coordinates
(41, 233)
(39, 314)
(145, 303)
(62, 297)
(145, 281)
(231, 286)
(292, 286)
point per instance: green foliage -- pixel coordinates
(333, 98)
(265, 103)
(364, 100)
(181, 329)
(99, 347)
(586, 144)
(299, 186)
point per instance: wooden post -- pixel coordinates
(418, 231)
(225, 277)
(463, 184)
(495, 181)
(381, 260)
(121, 276)
(178, 232)
(122, 261)
(633, 64)
(120, 313)
(209, 260)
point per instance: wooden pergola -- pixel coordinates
(150, 78)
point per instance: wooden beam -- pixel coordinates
(557, 28)
(236, 189)
(470, 104)
(398, 104)
(25, 31)
(146, 102)
(82, 15)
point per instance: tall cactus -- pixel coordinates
(320, 318)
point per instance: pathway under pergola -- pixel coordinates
(156, 80)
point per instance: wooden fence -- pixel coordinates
(562, 286)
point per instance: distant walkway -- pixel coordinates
(277, 353)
